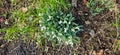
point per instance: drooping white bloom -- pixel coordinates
(65, 29)
(40, 14)
(60, 22)
(43, 28)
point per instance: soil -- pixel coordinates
(99, 35)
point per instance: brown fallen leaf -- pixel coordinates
(100, 52)
(23, 9)
(85, 2)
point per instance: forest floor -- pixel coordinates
(98, 38)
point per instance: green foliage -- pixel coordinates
(54, 4)
(56, 24)
(96, 6)
(56, 21)
(13, 1)
(94, 9)
(44, 19)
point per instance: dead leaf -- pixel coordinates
(100, 52)
(24, 9)
(85, 2)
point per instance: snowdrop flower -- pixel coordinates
(40, 14)
(43, 28)
(65, 29)
(65, 21)
(60, 22)
(48, 19)
(73, 30)
(59, 34)
(70, 41)
(40, 21)
(50, 16)
(59, 39)
(77, 28)
(69, 22)
(52, 32)
(54, 36)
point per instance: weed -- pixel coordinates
(96, 6)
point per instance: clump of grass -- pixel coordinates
(57, 22)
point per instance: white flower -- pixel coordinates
(48, 19)
(54, 36)
(60, 22)
(43, 28)
(50, 16)
(40, 14)
(70, 40)
(59, 39)
(40, 21)
(77, 28)
(65, 29)
(65, 21)
(59, 33)
(73, 30)
(69, 22)
(40, 25)
(52, 32)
